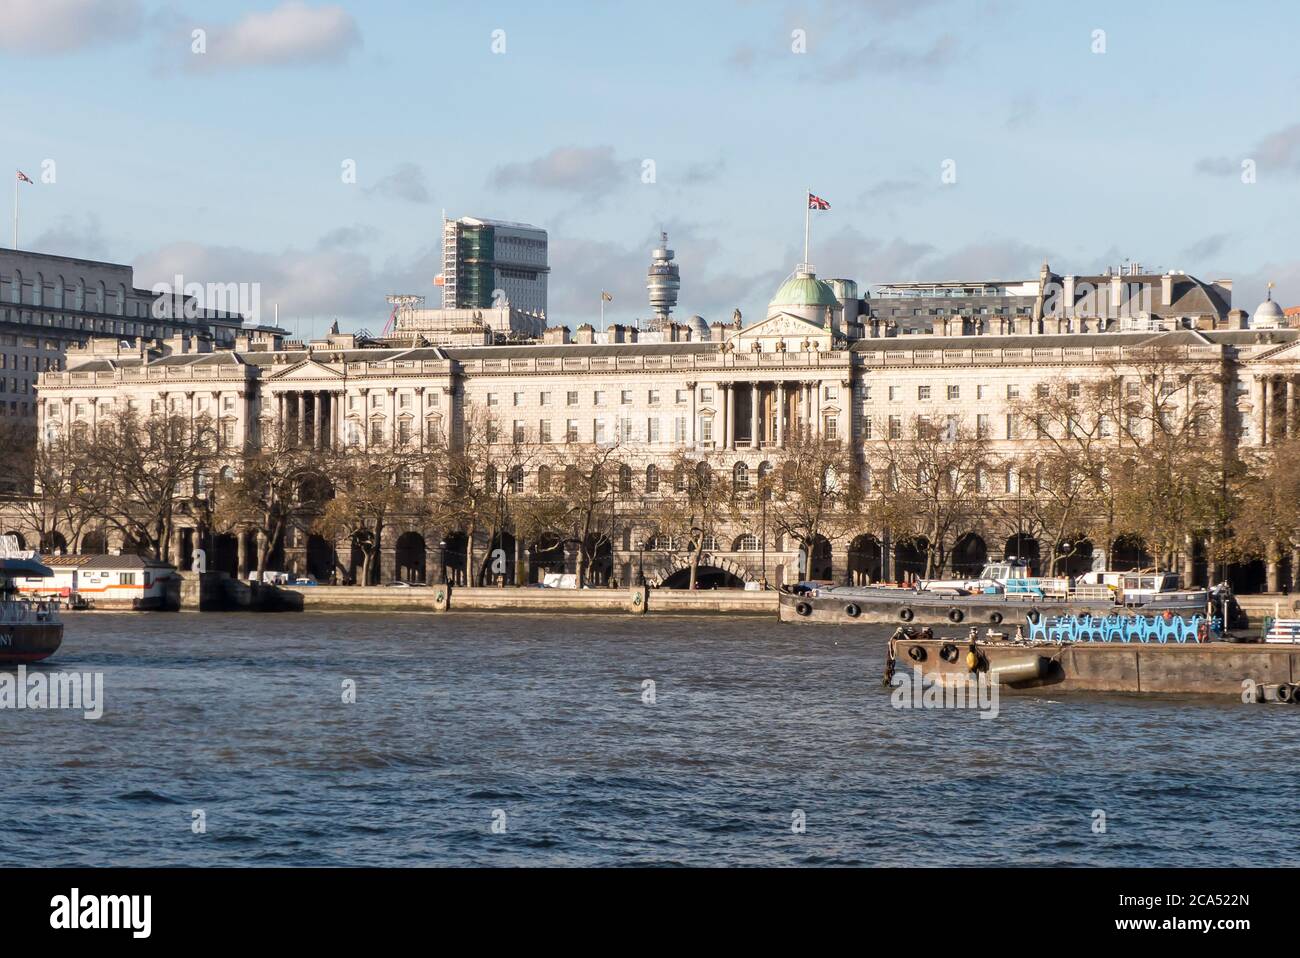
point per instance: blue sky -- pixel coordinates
(226, 165)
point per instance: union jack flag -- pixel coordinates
(24, 178)
(817, 203)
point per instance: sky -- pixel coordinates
(311, 148)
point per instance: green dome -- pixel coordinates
(805, 289)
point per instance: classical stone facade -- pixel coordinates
(738, 397)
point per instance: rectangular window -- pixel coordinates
(625, 397)
(544, 430)
(893, 393)
(1044, 390)
(682, 395)
(832, 428)
(598, 430)
(954, 392)
(404, 401)
(866, 428)
(598, 397)
(404, 432)
(519, 431)
(652, 429)
(830, 392)
(679, 429)
(895, 427)
(571, 431)
(981, 392)
(653, 397)
(923, 393)
(546, 399)
(866, 392)
(492, 399)
(982, 426)
(706, 394)
(571, 398)
(1013, 391)
(1073, 390)
(519, 399)
(706, 429)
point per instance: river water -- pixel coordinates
(542, 727)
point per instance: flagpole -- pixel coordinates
(602, 310)
(15, 209)
(807, 218)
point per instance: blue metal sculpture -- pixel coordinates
(1157, 629)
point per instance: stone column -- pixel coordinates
(731, 416)
(300, 410)
(1258, 401)
(694, 416)
(316, 398)
(780, 414)
(1270, 425)
(753, 415)
(1289, 423)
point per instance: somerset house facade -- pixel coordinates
(734, 394)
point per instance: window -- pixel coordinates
(598, 397)
(376, 433)
(682, 396)
(1044, 390)
(653, 397)
(571, 431)
(598, 430)
(652, 429)
(404, 432)
(893, 393)
(1073, 390)
(544, 430)
(866, 392)
(895, 427)
(832, 428)
(1013, 391)
(126, 578)
(830, 392)
(1011, 427)
(546, 399)
(747, 543)
(571, 397)
(982, 426)
(518, 431)
(706, 429)
(706, 394)
(376, 400)
(922, 393)
(404, 401)
(651, 479)
(519, 399)
(625, 397)
(492, 399)
(679, 429)
(740, 475)
(866, 428)
(981, 392)
(954, 392)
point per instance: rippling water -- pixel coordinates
(461, 717)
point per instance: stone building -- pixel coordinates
(738, 396)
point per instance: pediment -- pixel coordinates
(1282, 352)
(784, 326)
(307, 370)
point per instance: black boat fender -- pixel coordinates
(955, 615)
(905, 614)
(916, 653)
(1033, 615)
(948, 652)
(852, 611)
(803, 608)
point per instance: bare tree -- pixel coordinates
(139, 472)
(267, 488)
(813, 492)
(700, 501)
(933, 484)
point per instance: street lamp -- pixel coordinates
(442, 561)
(641, 561)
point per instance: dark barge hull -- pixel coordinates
(1218, 668)
(905, 607)
(29, 642)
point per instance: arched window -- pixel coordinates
(625, 480)
(121, 300)
(679, 478)
(16, 291)
(517, 480)
(740, 477)
(38, 290)
(572, 479)
(543, 479)
(651, 480)
(747, 543)
(490, 478)
(99, 297)
(703, 475)
(789, 473)
(79, 297)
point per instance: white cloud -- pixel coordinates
(292, 33)
(573, 169)
(42, 27)
(333, 279)
(405, 183)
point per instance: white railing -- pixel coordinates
(28, 611)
